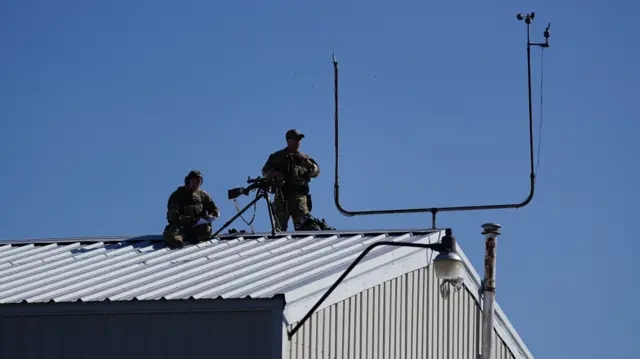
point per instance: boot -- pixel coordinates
(325, 227)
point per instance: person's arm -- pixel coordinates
(267, 169)
(210, 205)
(312, 169)
(173, 208)
(272, 166)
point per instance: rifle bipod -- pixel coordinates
(261, 194)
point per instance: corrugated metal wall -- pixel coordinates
(134, 330)
(403, 318)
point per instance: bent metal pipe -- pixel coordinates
(434, 210)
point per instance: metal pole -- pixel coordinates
(491, 232)
(531, 161)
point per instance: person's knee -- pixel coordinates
(173, 237)
(302, 206)
(299, 209)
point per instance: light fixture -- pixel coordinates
(448, 265)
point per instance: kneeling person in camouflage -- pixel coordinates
(293, 199)
(186, 206)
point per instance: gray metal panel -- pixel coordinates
(406, 317)
(134, 330)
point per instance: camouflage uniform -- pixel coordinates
(184, 208)
(293, 200)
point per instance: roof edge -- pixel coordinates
(158, 237)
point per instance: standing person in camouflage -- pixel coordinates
(293, 199)
(185, 207)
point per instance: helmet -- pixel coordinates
(193, 174)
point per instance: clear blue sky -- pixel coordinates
(105, 106)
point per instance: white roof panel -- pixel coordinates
(145, 269)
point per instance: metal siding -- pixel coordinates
(169, 333)
(406, 317)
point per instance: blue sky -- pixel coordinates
(106, 106)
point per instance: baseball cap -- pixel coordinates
(295, 134)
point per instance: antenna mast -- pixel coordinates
(433, 210)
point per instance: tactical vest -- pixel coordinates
(191, 204)
(295, 184)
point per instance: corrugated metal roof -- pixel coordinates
(120, 269)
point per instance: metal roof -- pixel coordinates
(143, 268)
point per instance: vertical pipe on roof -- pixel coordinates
(491, 232)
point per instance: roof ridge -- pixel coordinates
(158, 237)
